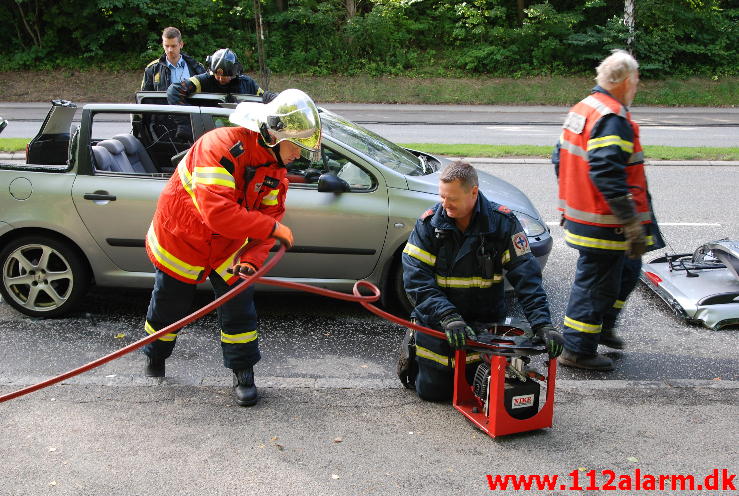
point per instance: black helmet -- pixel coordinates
(224, 63)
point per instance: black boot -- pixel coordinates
(582, 361)
(154, 367)
(608, 337)
(244, 388)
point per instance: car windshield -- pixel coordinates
(374, 146)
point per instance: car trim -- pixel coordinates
(323, 250)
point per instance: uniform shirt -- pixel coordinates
(158, 73)
(178, 71)
(207, 83)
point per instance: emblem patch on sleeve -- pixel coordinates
(520, 243)
(236, 150)
(271, 182)
(504, 209)
(574, 122)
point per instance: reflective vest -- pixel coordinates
(579, 199)
(219, 207)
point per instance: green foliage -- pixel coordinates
(385, 37)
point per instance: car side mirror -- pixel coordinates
(331, 183)
(3, 123)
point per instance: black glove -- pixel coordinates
(456, 330)
(268, 96)
(552, 339)
(242, 268)
(623, 208)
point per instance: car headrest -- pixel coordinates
(129, 143)
(113, 146)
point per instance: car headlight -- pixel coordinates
(531, 226)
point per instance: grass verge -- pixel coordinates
(495, 151)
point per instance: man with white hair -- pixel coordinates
(606, 210)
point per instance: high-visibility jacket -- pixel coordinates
(599, 157)
(219, 207)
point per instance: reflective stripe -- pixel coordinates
(582, 326)
(173, 263)
(213, 175)
(196, 82)
(506, 256)
(150, 330)
(574, 149)
(575, 214)
(430, 355)
(271, 198)
(469, 358)
(242, 338)
(636, 158)
(186, 181)
(419, 254)
(609, 140)
(228, 262)
(603, 244)
(601, 107)
(467, 282)
(619, 304)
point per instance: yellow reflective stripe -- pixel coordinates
(242, 338)
(186, 181)
(619, 304)
(506, 256)
(419, 254)
(430, 355)
(150, 330)
(582, 326)
(194, 80)
(603, 244)
(470, 358)
(467, 282)
(213, 175)
(228, 262)
(271, 198)
(173, 263)
(613, 139)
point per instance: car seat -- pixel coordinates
(137, 154)
(118, 159)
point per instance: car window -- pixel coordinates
(304, 172)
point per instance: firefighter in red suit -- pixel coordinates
(219, 215)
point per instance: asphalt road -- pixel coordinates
(483, 124)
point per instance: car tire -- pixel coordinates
(399, 303)
(42, 276)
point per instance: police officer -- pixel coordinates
(606, 209)
(224, 76)
(453, 274)
(172, 67)
(219, 215)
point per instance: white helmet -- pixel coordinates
(291, 116)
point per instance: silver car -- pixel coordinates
(68, 219)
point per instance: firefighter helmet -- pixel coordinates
(223, 62)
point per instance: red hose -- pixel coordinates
(365, 301)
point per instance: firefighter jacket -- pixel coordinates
(219, 207)
(446, 270)
(207, 83)
(599, 157)
(157, 76)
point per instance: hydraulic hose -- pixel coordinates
(356, 296)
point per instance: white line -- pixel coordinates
(679, 224)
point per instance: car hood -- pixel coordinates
(493, 188)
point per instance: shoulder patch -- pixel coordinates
(426, 214)
(227, 164)
(574, 122)
(152, 63)
(237, 149)
(271, 182)
(520, 243)
(504, 209)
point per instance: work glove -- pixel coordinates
(268, 96)
(636, 242)
(284, 234)
(457, 330)
(552, 339)
(242, 268)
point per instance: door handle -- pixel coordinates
(99, 195)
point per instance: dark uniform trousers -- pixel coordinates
(603, 282)
(172, 300)
(435, 379)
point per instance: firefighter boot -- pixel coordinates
(244, 388)
(608, 337)
(583, 361)
(154, 367)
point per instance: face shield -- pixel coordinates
(291, 116)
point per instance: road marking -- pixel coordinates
(678, 224)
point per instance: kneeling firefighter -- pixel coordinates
(453, 274)
(219, 215)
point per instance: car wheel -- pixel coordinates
(42, 276)
(399, 303)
